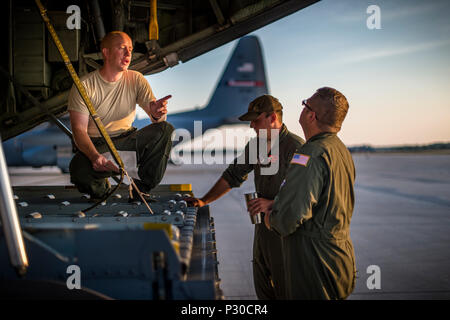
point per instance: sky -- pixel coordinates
(396, 78)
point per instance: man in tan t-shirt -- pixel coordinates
(114, 91)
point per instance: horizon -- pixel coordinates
(210, 140)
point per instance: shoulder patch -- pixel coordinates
(300, 159)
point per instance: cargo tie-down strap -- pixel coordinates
(92, 112)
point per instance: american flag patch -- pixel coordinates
(300, 159)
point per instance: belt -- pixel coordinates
(97, 140)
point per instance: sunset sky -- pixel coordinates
(396, 79)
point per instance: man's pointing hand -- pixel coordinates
(158, 108)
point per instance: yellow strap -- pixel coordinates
(181, 187)
(153, 33)
(79, 85)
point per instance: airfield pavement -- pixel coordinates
(401, 224)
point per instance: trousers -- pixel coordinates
(268, 269)
(152, 145)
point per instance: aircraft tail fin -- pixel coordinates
(243, 80)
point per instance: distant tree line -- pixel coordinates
(368, 148)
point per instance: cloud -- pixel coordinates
(389, 52)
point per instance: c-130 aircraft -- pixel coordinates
(243, 79)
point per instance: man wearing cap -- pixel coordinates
(264, 113)
(313, 208)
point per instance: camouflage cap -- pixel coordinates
(264, 103)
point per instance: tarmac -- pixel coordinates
(400, 226)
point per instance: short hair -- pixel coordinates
(109, 38)
(334, 107)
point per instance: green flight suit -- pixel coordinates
(312, 213)
(267, 255)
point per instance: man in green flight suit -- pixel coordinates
(265, 113)
(314, 206)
